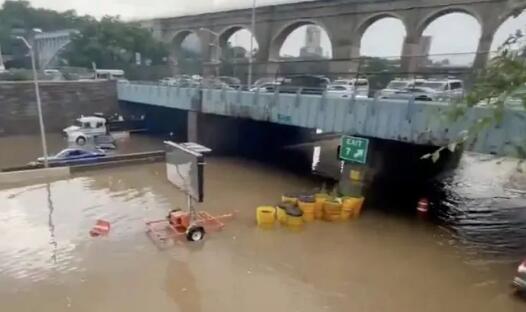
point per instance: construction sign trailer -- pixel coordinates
(185, 170)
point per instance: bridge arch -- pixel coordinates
(180, 36)
(283, 33)
(178, 54)
(433, 16)
(443, 44)
(508, 25)
(371, 21)
(226, 33)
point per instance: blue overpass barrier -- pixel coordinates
(410, 121)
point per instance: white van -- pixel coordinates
(359, 86)
(109, 74)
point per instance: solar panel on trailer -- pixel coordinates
(184, 169)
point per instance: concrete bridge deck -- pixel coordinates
(421, 123)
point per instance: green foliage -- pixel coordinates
(112, 43)
(18, 18)
(500, 86)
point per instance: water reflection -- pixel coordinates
(476, 202)
(52, 240)
(181, 286)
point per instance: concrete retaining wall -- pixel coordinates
(26, 176)
(62, 102)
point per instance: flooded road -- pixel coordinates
(380, 262)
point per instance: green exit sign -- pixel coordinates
(354, 149)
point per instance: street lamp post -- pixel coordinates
(37, 93)
(250, 56)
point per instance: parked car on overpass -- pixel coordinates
(399, 84)
(232, 82)
(266, 87)
(304, 84)
(431, 90)
(359, 86)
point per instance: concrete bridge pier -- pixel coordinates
(395, 168)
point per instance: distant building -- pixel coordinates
(312, 48)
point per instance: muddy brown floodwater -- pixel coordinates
(380, 262)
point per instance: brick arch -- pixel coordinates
(227, 32)
(178, 37)
(283, 33)
(431, 17)
(176, 42)
(370, 20)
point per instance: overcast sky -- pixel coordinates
(453, 33)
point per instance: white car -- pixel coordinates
(360, 85)
(84, 128)
(444, 90)
(341, 91)
(428, 90)
(268, 87)
(399, 84)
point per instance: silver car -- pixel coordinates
(431, 90)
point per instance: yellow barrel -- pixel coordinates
(332, 210)
(266, 215)
(358, 207)
(294, 221)
(282, 212)
(289, 198)
(307, 205)
(345, 215)
(348, 207)
(320, 198)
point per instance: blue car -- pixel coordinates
(74, 155)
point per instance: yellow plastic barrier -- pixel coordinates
(307, 205)
(282, 213)
(332, 210)
(359, 206)
(289, 198)
(294, 221)
(320, 198)
(265, 215)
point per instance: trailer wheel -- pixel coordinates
(195, 233)
(80, 140)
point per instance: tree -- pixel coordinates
(112, 43)
(500, 86)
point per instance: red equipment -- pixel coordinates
(179, 224)
(101, 227)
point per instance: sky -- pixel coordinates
(453, 33)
